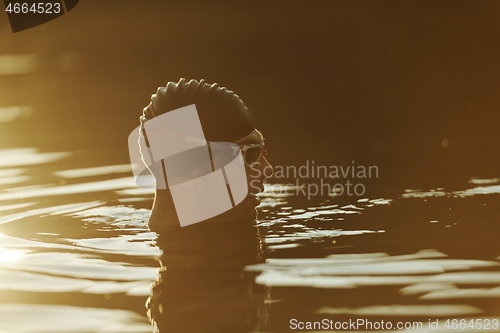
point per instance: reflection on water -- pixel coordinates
(86, 172)
(18, 63)
(11, 113)
(27, 156)
(76, 255)
(422, 255)
(203, 276)
(75, 263)
(45, 318)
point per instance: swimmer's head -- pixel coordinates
(224, 118)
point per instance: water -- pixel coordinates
(76, 255)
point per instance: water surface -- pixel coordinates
(76, 255)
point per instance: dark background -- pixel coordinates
(378, 82)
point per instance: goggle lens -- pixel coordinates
(253, 155)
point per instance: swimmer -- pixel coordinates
(224, 118)
(203, 285)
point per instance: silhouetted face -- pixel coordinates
(257, 169)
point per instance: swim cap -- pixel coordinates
(223, 115)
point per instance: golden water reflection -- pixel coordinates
(76, 242)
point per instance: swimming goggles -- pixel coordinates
(252, 153)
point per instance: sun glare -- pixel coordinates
(9, 255)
